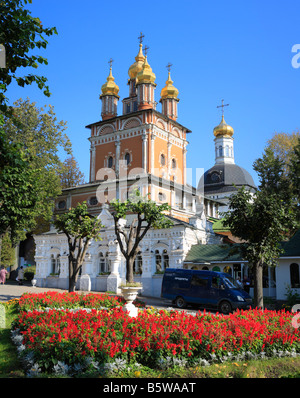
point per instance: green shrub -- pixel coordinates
(29, 273)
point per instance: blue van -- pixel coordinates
(206, 288)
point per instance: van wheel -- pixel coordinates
(225, 307)
(180, 302)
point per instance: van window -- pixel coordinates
(216, 281)
(230, 282)
(198, 281)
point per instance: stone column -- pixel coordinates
(184, 151)
(93, 158)
(146, 277)
(114, 257)
(144, 151)
(118, 145)
(153, 136)
(169, 158)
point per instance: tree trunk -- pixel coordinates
(129, 269)
(72, 285)
(258, 286)
(73, 274)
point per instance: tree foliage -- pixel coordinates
(38, 131)
(80, 228)
(294, 177)
(283, 145)
(20, 189)
(8, 255)
(147, 214)
(21, 33)
(262, 220)
(70, 174)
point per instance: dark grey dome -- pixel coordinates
(222, 178)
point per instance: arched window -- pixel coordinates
(166, 259)
(174, 164)
(158, 263)
(294, 274)
(220, 151)
(61, 204)
(93, 201)
(161, 196)
(227, 270)
(138, 265)
(55, 264)
(127, 158)
(227, 151)
(103, 263)
(110, 162)
(162, 159)
(161, 260)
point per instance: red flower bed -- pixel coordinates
(108, 334)
(52, 299)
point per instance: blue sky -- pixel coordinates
(237, 50)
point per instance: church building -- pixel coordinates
(146, 149)
(225, 177)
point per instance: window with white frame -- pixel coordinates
(161, 260)
(127, 158)
(104, 265)
(162, 159)
(158, 263)
(55, 264)
(165, 259)
(294, 275)
(110, 162)
(138, 264)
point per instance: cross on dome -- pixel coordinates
(169, 66)
(110, 62)
(222, 106)
(141, 38)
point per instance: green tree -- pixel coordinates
(21, 33)
(282, 145)
(38, 130)
(147, 214)
(80, 228)
(20, 189)
(294, 177)
(262, 220)
(8, 255)
(70, 174)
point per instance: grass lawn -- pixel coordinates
(10, 367)
(9, 363)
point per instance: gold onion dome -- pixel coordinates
(110, 87)
(138, 65)
(146, 75)
(169, 91)
(223, 129)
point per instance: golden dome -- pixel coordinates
(146, 75)
(138, 65)
(110, 87)
(169, 91)
(223, 129)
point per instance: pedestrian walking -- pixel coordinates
(21, 275)
(246, 284)
(3, 273)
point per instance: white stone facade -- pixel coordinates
(104, 263)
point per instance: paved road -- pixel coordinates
(12, 290)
